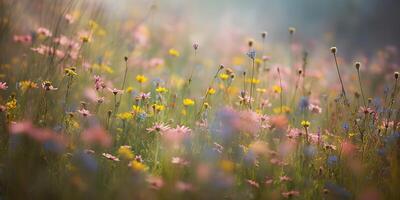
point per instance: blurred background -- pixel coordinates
(352, 25)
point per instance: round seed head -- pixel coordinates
(264, 34)
(333, 50)
(357, 65)
(292, 30)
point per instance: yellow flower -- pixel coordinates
(305, 123)
(285, 109)
(161, 90)
(174, 52)
(224, 76)
(188, 102)
(137, 166)
(136, 109)
(261, 90)
(351, 134)
(125, 152)
(85, 38)
(253, 81)
(141, 78)
(25, 85)
(277, 89)
(158, 107)
(124, 116)
(70, 71)
(258, 61)
(93, 25)
(12, 104)
(226, 165)
(129, 89)
(211, 91)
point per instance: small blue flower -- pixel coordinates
(304, 103)
(332, 160)
(251, 54)
(346, 126)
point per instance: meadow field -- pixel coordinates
(164, 100)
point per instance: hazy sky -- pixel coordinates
(361, 23)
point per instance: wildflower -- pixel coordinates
(161, 90)
(99, 83)
(110, 157)
(137, 166)
(125, 152)
(211, 91)
(223, 76)
(173, 52)
(85, 38)
(182, 186)
(129, 89)
(253, 81)
(155, 182)
(285, 178)
(3, 86)
(276, 89)
(280, 110)
(251, 54)
(115, 91)
(179, 161)
(305, 123)
(158, 127)
(11, 104)
(158, 107)
(246, 99)
(2, 108)
(175, 136)
(188, 102)
(25, 85)
(315, 109)
(124, 116)
(261, 90)
(96, 135)
(25, 39)
(70, 71)
(84, 112)
(44, 32)
(290, 194)
(136, 109)
(143, 96)
(141, 78)
(46, 85)
(332, 160)
(195, 46)
(69, 18)
(253, 183)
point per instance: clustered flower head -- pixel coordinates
(188, 102)
(305, 123)
(47, 85)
